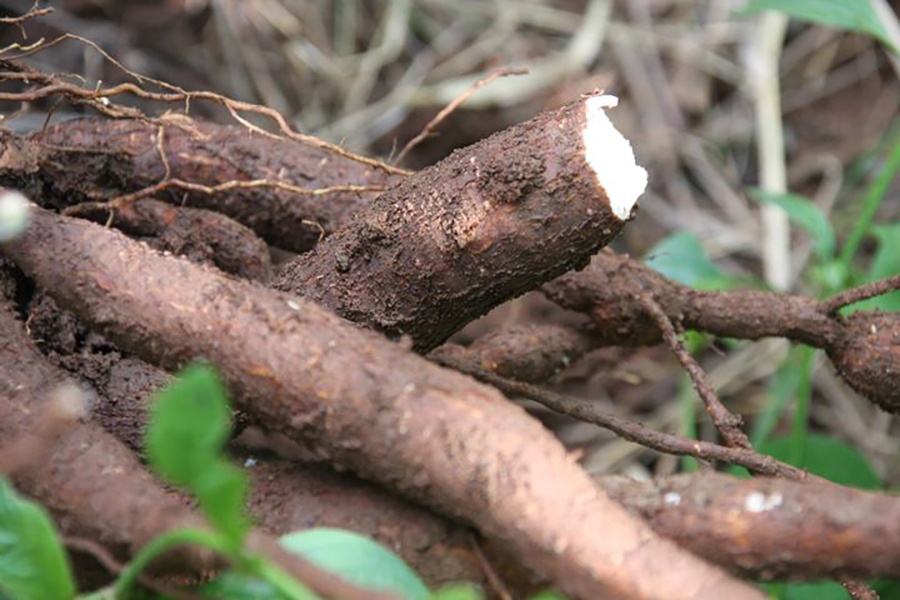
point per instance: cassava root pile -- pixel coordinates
(368, 404)
(436, 250)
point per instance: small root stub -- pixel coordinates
(486, 224)
(867, 356)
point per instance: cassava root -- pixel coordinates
(367, 404)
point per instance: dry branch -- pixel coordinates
(46, 85)
(587, 411)
(367, 404)
(864, 346)
(487, 224)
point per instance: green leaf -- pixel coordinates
(827, 457)
(831, 276)
(548, 595)
(189, 426)
(222, 492)
(237, 586)
(458, 591)
(33, 564)
(357, 559)
(349, 555)
(681, 257)
(886, 263)
(855, 15)
(791, 379)
(822, 590)
(805, 214)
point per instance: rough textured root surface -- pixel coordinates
(772, 528)
(124, 384)
(868, 356)
(94, 159)
(93, 484)
(761, 528)
(368, 404)
(288, 497)
(98, 490)
(530, 353)
(448, 243)
(865, 347)
(197, 234)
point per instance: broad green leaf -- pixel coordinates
(886, 263)
(887, 588)
(855, 15)
(358, 559)
(548, 595)
(33, 564)
(222, 492)
(805, 214)
(830, 458)
(681, 257)
(349, 555)
(190, 424)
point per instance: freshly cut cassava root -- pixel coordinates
(489, 223)
(367, 404)
(95, 159)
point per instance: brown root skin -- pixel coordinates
(367, 404)
(97, 489)
(93, 484)
(197, 234)
(865, 347)
(800, 538)
(288, 497)
(771, 528)
(867, 356)
(284, 497)
(530, 353)
(96, 159)
(761, 528)
(448, 243)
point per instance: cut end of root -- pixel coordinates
(611, 157)
(14, 211)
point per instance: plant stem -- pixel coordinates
(800, 426)
(282, 581)
(770, 143)
(688, 399)
(871, 202)
(162, 544)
